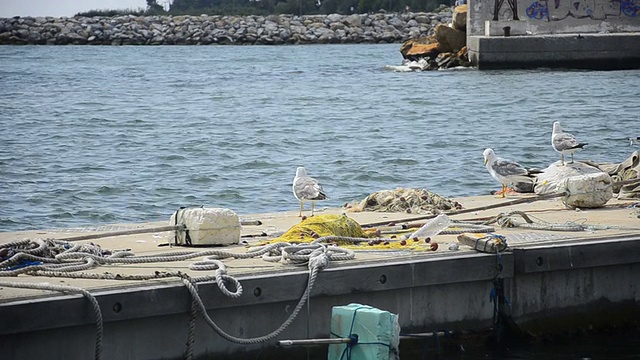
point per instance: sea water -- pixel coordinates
(101, 135)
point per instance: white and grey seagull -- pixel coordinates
(563, 142)
(505, 171)
(307, 188)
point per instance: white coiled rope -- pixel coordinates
(531, 222)
(62, 259)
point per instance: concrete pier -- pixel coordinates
(569, 51)
(600, 35)
(553, 280)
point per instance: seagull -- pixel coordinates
(564, 142)
(307, 188)
(505, 171)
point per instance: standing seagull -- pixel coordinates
(307, 188)
(564, 142)
(505, 171)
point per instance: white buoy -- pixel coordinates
(206, 226)
(586, 186)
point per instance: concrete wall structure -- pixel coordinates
(542, 17)
(549, 282)
(551, 33)
(550, 288)
(577, 51)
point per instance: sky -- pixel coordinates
(58, 8)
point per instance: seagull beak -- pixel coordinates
(485, 161)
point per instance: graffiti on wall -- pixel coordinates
(554, 10)
(510, 13)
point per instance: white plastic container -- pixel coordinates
(431, 228)
(207, 226)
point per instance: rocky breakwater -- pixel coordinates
(445, 48)
(205, 29)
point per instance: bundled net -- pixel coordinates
(624, 171)
(411, 201)
(317, 226)
(352, 234)
(628, 191)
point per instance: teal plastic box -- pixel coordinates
(377, 331)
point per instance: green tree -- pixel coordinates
(154, 8)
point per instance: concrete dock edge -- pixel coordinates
(572, 51)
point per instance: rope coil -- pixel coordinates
(55, 258)
(509, 220)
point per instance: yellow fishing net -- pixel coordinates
(315, 227)
(394, 243)
(318, 226)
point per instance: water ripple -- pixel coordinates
(101, 135)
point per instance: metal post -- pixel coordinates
(309, 342)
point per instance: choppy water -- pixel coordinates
(95, 135)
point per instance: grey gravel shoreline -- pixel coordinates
(218, 29)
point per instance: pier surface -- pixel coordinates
(553, 280)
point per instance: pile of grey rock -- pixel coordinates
(217, 29)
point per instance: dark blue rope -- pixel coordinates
(499, 267)
(493, 293)
(24, 263)
(348, 348)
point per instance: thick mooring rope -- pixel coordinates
(68, 289)
(464, 227)
(54, 258)
(316, 263)
(304, 253)
(509, 220)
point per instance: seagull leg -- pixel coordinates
(300, 214)
(504, 190)
(562, 154)
(571, 159)
(313, 204)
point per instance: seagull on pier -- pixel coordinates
(506, 171)
(563, 142)
(307, 188)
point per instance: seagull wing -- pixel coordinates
(307, 188)
(507, 168)
(565, 141)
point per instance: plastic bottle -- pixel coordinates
(432, 227)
